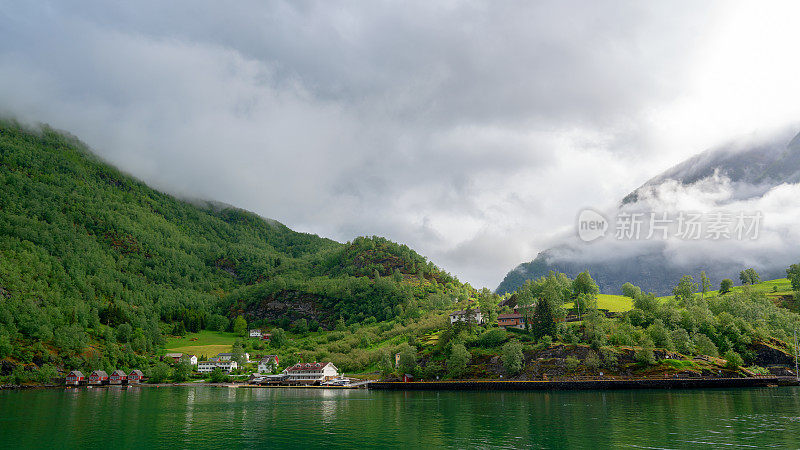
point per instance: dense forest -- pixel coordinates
(95, 265)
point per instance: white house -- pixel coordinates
(192, 359)
(463, 316)
(268, 364)
(209, 366)
(256, 333)
(311, 373)
(229, 356)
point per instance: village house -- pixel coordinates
(172, 358)
(209, 366)
(465, 315)
(117, 377)
(311, 373)
(98, 377)
(229, 356)
(135, 377)
(511, 320)
(256, 333)
(76, 378)
(175, 358)
(268, 364)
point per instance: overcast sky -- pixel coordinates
(472, 131)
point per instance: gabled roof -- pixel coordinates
(309, 367)
(509, 316)
(173, 355)
(76, 372)
(137, 372)
(101, 373)
(119, 373)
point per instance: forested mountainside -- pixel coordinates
(94, 262)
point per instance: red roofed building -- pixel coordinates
(513, 320)
(76, 377)
(311, 373)
(135, 377)
(117, 377)
(98, 377)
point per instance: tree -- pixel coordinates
(732, 360)
(584, 284)
(684, 291)
(408, 359)
(300, 326)
(159, 373)
(725, 286)
(46, 373)
(704, 346)
(512, 357)
(5, 346)
(459, 357)
(278, 338)
(237, 353)
(585, 302)
(629, 290)
(124, 332)
(543, 321)
(793, 274)
(705, 283)
(240, 326)
(749, 276)
(340, 325)
(219, 376)
(385, 365)
(181, 371)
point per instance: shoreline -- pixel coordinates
(482, 385)
(596, 384)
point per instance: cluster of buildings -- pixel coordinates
(260, 334)
(224, 361)
(513, 319)
(309, 374)
(100, 377)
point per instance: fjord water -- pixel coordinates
(203, 417)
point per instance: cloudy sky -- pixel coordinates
(472, 131)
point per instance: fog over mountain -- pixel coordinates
(473, 131)
(750, 178)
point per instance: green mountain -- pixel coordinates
(94, 262)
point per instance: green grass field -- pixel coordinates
(771, 288)
(613, 303)
(206, 342)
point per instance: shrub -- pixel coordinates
(219, 376)
(645, 356)
(733, 360)
(492, 338)
(571, 363)
(512, 357)
(704, 346)
(459, 357)
(592, 361)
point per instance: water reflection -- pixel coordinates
(216, 416)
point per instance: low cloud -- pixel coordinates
(471, 131)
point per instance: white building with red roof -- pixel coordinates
(311, 373)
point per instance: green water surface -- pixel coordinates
(219, 417)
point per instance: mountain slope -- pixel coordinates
(94, 262)
(735, 174)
